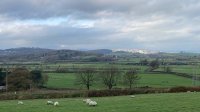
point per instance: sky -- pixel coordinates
(161, 25)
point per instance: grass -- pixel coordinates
(181, 102)
(67, 80)
(186, 69)
(74, 65)
(61, 80)
(163, 80)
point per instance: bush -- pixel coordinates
(118, 92)
(73, 94)
(183, 89)
(19, 79)
(94, 93)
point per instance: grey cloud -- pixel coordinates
(150, 24)
(29, 9)
(53, 36)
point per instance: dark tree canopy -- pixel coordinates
(154, 64)
(23, 79)
(2, 77)
(37, 78)
(19, 79)
(144, 62)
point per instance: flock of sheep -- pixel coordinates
(53, 103)
(94, 103)
(48, 103)
(90, 102)
(87, 101)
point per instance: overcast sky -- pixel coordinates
(163, 25)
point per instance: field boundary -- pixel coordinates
(185, 75)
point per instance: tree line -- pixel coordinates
(22, 79)
(108, 76)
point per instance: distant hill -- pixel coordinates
(51, 55)
(68, 55)
(40, 54)
(23, 54)
(23, 51)
(101, 51)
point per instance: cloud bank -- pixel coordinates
(164, 25)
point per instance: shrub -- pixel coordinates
(183, 89)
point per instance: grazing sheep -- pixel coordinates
(56, 103)
(20, 103)
(132, 96)
(87, 101)
(50, 103)
(92, 103)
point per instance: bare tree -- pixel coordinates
(110, 76)
(86, 77)
(130, 77)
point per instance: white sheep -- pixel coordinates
(132, 96)
(56, 103)
(20, 103)
(87, 101)
(50, 103)
(92, 103)
(188, 91)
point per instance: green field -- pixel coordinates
(67, 80)
(75, 65)
(181, 102)
(61, 80)
(164, 80)
(186, 69)
(189, 69)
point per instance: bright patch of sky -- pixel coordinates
(49, 21)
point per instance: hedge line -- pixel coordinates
(95, 93)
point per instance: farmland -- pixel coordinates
(67, 80)
(61, 71)
(183, 102)
(99, 56)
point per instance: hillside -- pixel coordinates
(101, 51)
(51, 55)
(39, 54)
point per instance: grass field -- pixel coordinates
(186, 69)
(74, 65)
(181, 102)
(189, 69)
(164, 80)
(67, 80)
(61, 80)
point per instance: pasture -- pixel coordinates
(173, 102)
(189, 69)
(67, 80)
(123, 65)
